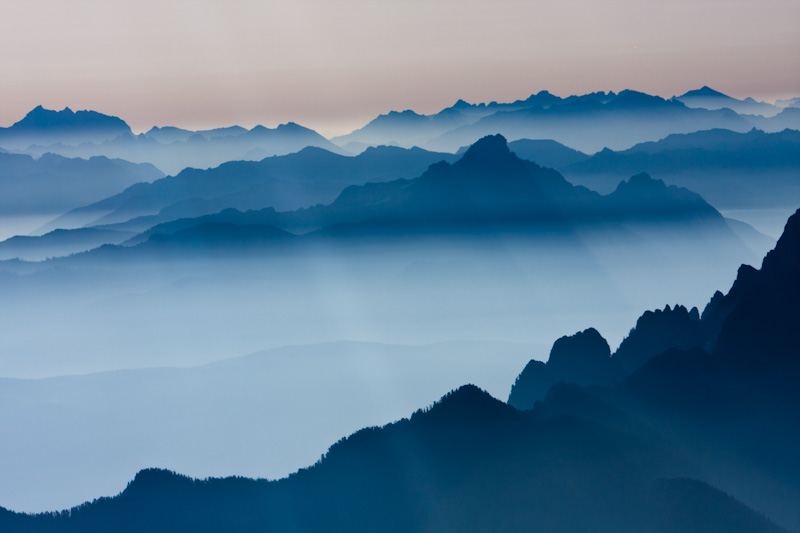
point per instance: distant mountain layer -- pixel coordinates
(59, 243)
(487, 190)
(587, 123)
(729, 169)
(489, 197)
(308, 177)
(708, 98)
(88, 133)
(53, 184)
(199, 150)
(43, 126)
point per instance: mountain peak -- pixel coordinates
(704, 91)
(464, 405)
(291, 127)
(462, 104)
(642, 195)
(635, 99)
(640, 182)
(40, 118)
(488, 148)
(406, 113)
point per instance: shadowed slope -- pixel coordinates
(468, 463)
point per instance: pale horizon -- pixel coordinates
(333, 67)
(358, 123)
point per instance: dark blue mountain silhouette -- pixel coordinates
(659, 330)
(722, 386)
(468, 463)
(44, 126)
(488, 193)
(582, 359)
(490, 188)
(749, 328)
(643, 455)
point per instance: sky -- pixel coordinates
(333, 66)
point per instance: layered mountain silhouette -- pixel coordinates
(44, 127)
(708, 98)
(198, 150)
(170, 134)
(729, 169)
(488, 189)
(789, 118)
(690, 425)
(587, 123)
(87, 134)
(308, 177)
(247, 396)
(53, 184)
(791, 102)
(59, 243)
(589, 126)
(748, 329)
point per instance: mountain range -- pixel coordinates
(677, 443)
(241, 399)
(302, 179)
(729, 169)
(87, 134)
(486, 188)
(587, 123)
(489, 189)
(53, 184)
(708, 98)
(44, 126)
(198, 151)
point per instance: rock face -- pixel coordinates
(723, 386)
(659, 330)
(582, 359)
